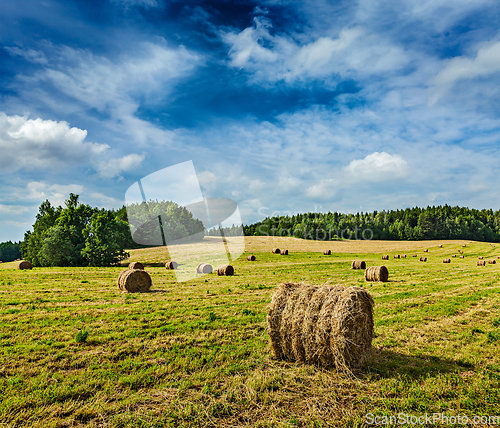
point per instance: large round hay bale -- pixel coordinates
(226, 270)
(358, 264)
(327, 252)
(204, 268)
(134, 281)
(171, 265)
(385, 257)
(423, 259)
(276, 251)
(396, 256)
(403, 256)
(136, 265)
(480, 257)
(446, 260)
(440, 246)
(284, 252)
(426, 250)
(491, 261)
(481, 263)
(377, 273)
(24, 265)
(251, 258)
(331, 325)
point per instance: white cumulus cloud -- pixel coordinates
(378, 166)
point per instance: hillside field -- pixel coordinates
(75, 351)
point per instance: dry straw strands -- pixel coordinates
(327, 252)
(226, 270)
(396, 256)
(358, 264)
(204, 268)
(385, 257)
(491, 262)
(377, 273)
(446, 260)
(136, 265)
(481, 263)
(251, 258)
(24, 265)
(276, 251)
(171, 265)
(284, 252)
(423, 259)
(134, 281)
(330, 325)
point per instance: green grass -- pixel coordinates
(76, 352)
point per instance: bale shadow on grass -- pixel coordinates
(388, 364)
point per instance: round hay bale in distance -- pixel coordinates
(136, 265)
(284, 252)
(481, 263)
(491, 262)
(327, 252)
(330, 325)
(461, 257)
(204, 268)
(385, 257)
(358, 264)
(423, 259)
(465, 245)
(134, 281)
(403, 256)
(480, 257)
(24, 265)
(251, 258)
(446, 260)
(396, 256)
(171, 265)
(440, 246)
(426, 250)
(225, 270)
(276, 251)
(454, 255)
(414, 255)
(377, 273)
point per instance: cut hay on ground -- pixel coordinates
(204, 268)
(251, 258)
(330, 325)
(171, 265)
(481, 263)
(446, 260)
(134, 281)
(136, 265)
(377, 273)
(358, 264)
(225, 270)
(24, 265)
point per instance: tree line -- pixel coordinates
(441, 222)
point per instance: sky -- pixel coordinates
(282, 106)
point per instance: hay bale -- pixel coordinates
(327, 252)
(24, 265)
(331, 325)
(136, 265)
(460, 251)
(251, 258)
(461, 257)
(358, 264)
(454, 255)
(446, 260)
(491, 261)
(423, 259)
(377, 273)
(480, 257)
(396, 256)
(464, 245)
(134, 281)
(414, 255)
(225, 270)
(426, 250)
(386, 257)
(276, 251)
(284, 252)
(204, 268)
(481, 263)
(171, 265)
(403, 256)
(440, 246)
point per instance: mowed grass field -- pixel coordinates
(197, 353)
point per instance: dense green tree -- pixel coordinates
(9, 251)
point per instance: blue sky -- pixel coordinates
(283, 106)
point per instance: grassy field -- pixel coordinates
(77, 352)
